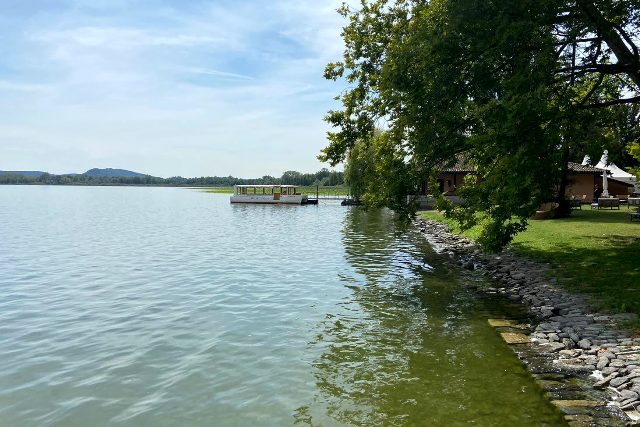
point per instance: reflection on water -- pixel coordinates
(170, 307)
(410, 345)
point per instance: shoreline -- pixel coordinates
(582, 359)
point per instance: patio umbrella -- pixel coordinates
(603, 164)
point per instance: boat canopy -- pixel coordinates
(288, 190)
(265, 186)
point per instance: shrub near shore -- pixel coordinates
(595, 252)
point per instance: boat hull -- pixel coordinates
(269, 199)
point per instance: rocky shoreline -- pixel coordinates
(577, 355)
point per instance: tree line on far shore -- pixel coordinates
(323, 177)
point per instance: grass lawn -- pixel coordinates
(595, 252)
(339, 190)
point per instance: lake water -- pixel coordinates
(171, 307)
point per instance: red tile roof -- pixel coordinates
(577, 167)
(462, 164)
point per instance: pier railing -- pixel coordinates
(328, 194)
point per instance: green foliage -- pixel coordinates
(517, 87)
(358, 171)
(634, 150)
(377, 174)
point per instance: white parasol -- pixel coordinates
(605, 184)
(604, 165)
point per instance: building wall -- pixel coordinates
(619, 189)
(449, 182)
(581, 184)
(584, 183)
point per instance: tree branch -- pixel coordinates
(634, 100)
(600, 68)
(628, 39)
(593, 89)
(613, 39)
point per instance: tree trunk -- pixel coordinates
(564, 208)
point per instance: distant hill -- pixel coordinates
(34, 174)
(112, 173)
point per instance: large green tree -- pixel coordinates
(516, 87)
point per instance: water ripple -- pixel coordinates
(164, 307)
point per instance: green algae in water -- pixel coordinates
(412, 345)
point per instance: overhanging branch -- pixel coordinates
(634, 100)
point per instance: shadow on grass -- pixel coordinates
(609, 273)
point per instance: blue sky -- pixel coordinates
(166, 87)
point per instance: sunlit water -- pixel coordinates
(171, 307)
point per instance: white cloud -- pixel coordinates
(12, 86)
(217, 73)
(123, 38)
(217, 89)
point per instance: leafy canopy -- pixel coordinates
(515, 87)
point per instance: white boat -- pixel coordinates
(272, 194)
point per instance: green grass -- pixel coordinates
(594, 252)
(339, 190)
(221, 190)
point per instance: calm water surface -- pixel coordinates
(167, 307)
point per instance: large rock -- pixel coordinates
(517, 276)
(605, 381)
(584, 344)
(552, 347)
(617, 382)
(602, 363)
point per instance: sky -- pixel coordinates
(166, 87)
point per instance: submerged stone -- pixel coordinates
(562, 404)
(515, 338)
(578, 420)
(498, 323)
